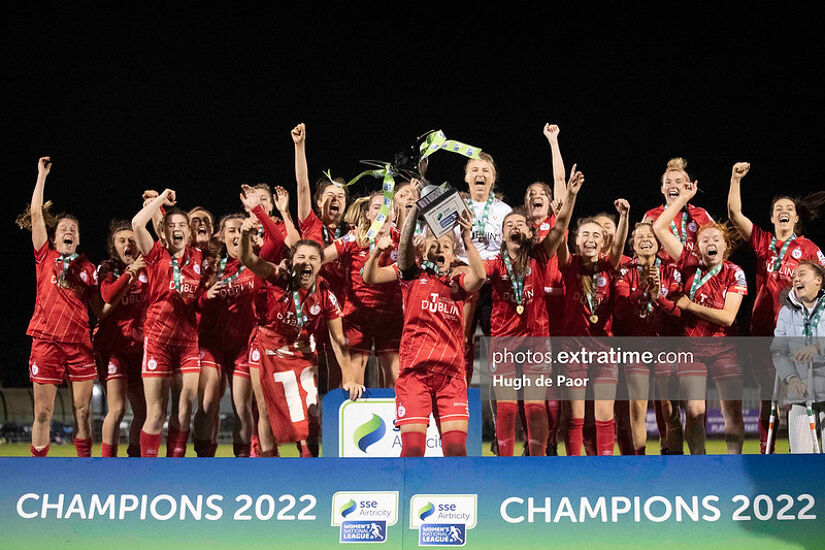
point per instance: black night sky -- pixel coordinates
(203, 101)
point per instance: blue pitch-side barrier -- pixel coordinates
(594, 502)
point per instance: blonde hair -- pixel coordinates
(357, 216)
(676, 164)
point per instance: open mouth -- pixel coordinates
(645, 246)
(537, 203)
(440, 261)
(177, 238)
(589, 248)
(68, 241)
(799, 288)
(712, 252)
(784, 218)
(128, 254)
(516, 237)
(334, 208)
(672, 193)
(480, 183)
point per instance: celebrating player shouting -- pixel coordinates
(59, 327)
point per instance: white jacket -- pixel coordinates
(789, 337)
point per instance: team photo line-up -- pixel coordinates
(185, 307)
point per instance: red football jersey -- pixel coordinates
(505, 319)
(273, 248)
(553, 280)
(122, 329)
(770, 282)
(378, 299)
(171, 316)
(334, 273)
(61, 305)
(632, 316)
(281, 321)
(694, 218)
(576, 309)
(712, 294)
(227, 319)
(433, 336)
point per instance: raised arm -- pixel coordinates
(374, 274)
(282, 204)
(739, 220)
(623, 208)
(551, 132)
(259, 267)
(299, 136)
(406, 248)
(556, 236)
(477, 274)
(39, 233)
(661, 227)
(143, 238)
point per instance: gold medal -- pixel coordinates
(519, 309)
(63, 282)
(594, 318)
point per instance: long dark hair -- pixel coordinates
(113, 263)
(807, 207)
(522, 259)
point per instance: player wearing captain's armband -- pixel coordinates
(778, 253)
(298, 303)
(59, 327)
(432, 343)
(118, 337)
(519, 310)
(171, 358)
(713, 290)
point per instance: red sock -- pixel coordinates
(270, 454)
(305, 451)
(149, 444)
(454, 443)
(255, 446)
(179, 444)
(412, 443)
(506, 412)
(41, 453)
(107, 450)
(201, 447)
(241, 450)
(624, 436)
(83, 447)
(536, 428)
(553, 417)
(605, 436)
(641, 450)
(133, 450)
(589, 429)
(171, 437)
(573, 440)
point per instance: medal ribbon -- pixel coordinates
(648, 305)
(781, 254)
(812, 320)
(480, 223)
(326, 236)
(65, 260)
(427, 264)
(299, 314)
(699, 283)
(231, 278)
(591, 297)
(517, 282)
(176, 274)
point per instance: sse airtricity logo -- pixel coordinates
(369, 432)
(443, 520)
(364, 516)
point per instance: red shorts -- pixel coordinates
(52, 362)
(233, 362)
(119, 366)
(290, 390)
(363, 329)
(164, 360)
(578, 369)
(418, 393)
(722, 361)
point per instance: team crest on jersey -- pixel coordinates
(423, 281)
(348, 238)
(35, 369)
(693, 226)
(143, 278)
(623, 271)
(256, 355)
(197, 268)
(112, 368)
(202, 354)
(315, 309)
(677, 276)
(394, 255)
(796, 254)
(821, 257)
(151, 364)
(401, 411)
(528, 272)
(544, 226)
(86, 277)
(663, 291)
(601, 282)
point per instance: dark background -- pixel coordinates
(200, 102)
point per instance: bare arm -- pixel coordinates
(142, 236)
(299, 135)
(341, 349)
(374, 274)
(623, 207)
(258, 266)
(724, 317)
(556, 236)
(739, 220)
(39, 233)
(282, 204)
(661, 227)
(477, 274)
(406, 248)
(551, 132)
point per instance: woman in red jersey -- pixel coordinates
(588, 281)
(778, 253)
(323, 227)
(296, 303)
(202, 226)
(372, 314)
(171, 358)
(118, 338)
(59, 327)
(519, 311)
(713, 290)
(432, 377)
(644, 309)
(226, 323)
(690, 218)
(276, 234)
